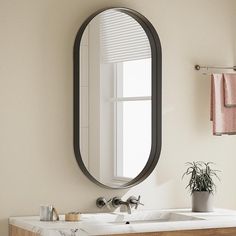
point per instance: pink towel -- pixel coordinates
(230, 90)
(224, 118)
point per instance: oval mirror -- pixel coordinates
(117, 98)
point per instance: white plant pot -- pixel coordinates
(202, 201)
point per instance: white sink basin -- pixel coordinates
(140, 217)
(152, 217)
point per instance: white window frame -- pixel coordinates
(118, 71)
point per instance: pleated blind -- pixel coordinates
(122, 38)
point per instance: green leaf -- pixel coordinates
(201, 176)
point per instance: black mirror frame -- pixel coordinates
(156, 97)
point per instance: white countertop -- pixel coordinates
(105, 223)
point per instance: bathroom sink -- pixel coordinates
(152, 217)
(139, 217)
(139, 221)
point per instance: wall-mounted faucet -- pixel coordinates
(117, 202)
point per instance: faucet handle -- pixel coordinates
(102, 202)
(116, 202)
(138, 202)
(135, 201)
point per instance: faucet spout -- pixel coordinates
(127, 206)
(117, 202)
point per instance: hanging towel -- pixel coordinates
(223, 118)
(230, 90)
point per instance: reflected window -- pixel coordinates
(132, 108)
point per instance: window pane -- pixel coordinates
(133, 137)
(136, 78)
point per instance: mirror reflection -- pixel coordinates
(115, 98)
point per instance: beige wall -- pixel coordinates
(37, 163)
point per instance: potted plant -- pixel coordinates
(201, 185)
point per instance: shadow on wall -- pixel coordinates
(201, 101)
(234, 59)
(3, 223)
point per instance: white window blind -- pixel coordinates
(122, 38)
